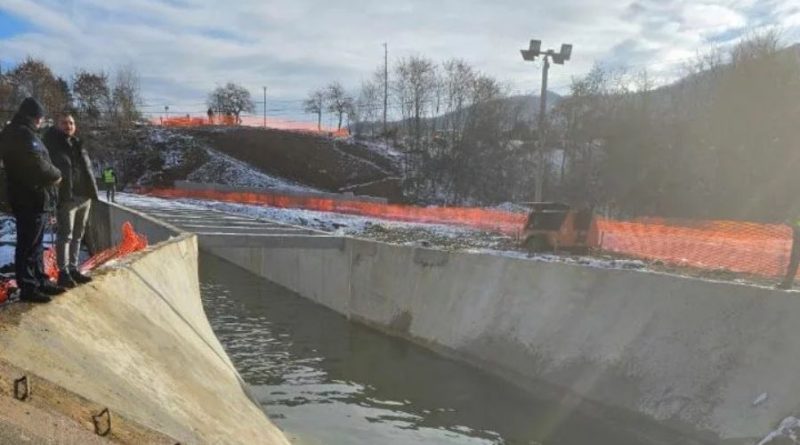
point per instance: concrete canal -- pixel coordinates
(326, 380)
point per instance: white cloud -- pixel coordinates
(182, 49)
(708, 18)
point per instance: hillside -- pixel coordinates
(329, 164)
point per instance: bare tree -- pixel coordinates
(457, 79)
(231, 99)
(6, 91)
(315, 104)
(125, 97)
(415, 82)
(370, 103)
(91, 95)
(34, 78)
(338, 101)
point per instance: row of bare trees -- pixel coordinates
(332, 98)
(450, 120)
(97, 98)
(723, 142)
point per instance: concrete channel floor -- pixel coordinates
(218, 229)
(208, 221)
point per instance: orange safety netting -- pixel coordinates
(478, 218)
(736, 246)
(130, 242)
(189, 121)
(50, 269)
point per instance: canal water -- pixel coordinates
(325, 380)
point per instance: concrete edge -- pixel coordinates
(180, 235)
(145, 216)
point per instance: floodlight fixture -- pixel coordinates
(566, 51)
(558, 58)
(533, 51)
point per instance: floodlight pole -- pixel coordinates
(542, 117)
(530, 54)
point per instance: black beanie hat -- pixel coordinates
(31, 108)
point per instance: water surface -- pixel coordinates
(325, 380)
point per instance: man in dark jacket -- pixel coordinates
(75, 195)
(32, 178)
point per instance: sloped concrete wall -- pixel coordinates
(136, 339)
(691, 353)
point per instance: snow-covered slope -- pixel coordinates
(177, 155)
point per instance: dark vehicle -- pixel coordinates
(554, 226)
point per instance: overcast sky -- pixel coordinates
(184, 48)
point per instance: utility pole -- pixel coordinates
(559, 58)
(265, 107)
(385, 84)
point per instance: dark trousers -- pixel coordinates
(794, 260)
(29, 252)
(111, 190)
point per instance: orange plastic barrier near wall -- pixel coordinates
(478, 218)
(247, 121)
(735, 246)
(131, 242)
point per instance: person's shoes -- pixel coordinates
(79, 277)
(49, 288)
(65, 280)
(34, 296)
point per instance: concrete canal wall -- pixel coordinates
(708, 356)
(136, 340)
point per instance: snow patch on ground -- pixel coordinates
(8, 237)
(8, 229)
(179, 150)
(396, 232)
(227, 170)
(787, 432)
(380, 148)
(512, 207)
(336, 223)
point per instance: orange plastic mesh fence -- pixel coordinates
(50, 269)
(130, 242)
(735, 246)
(479, 218)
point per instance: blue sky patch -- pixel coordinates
(11, 25)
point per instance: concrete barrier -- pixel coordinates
(136, 340)
(106, 220)
(701, 356)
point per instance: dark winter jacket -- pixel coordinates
(71, 158)
(30, 174)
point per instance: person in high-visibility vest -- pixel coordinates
(110, 181)
(794, 259)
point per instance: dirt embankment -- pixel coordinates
(322, 162)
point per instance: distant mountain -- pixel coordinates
(528, 105)
(524, 108)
